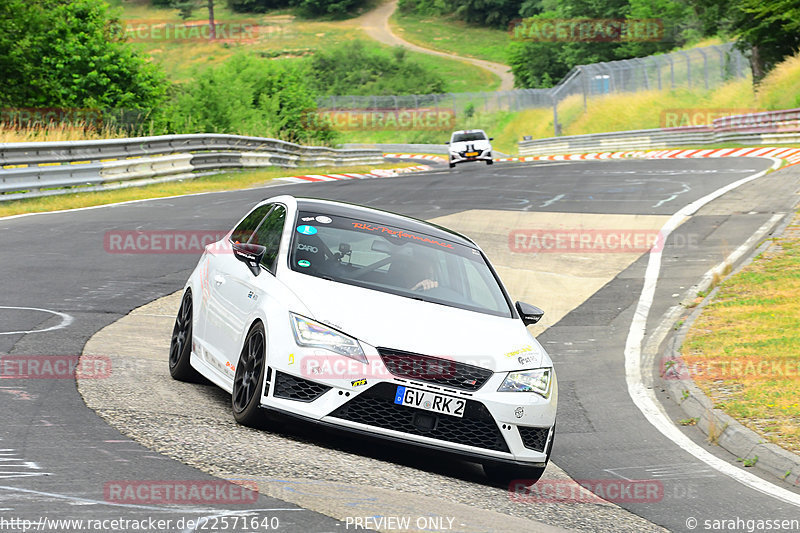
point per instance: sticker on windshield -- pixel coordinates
(307, 219)
(306, 230)
(303, 263)
(322, 219)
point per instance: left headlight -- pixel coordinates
(315, 335)
(537, 380)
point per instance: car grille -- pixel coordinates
(294, 388)
(534, 438)
(445, 372)
(376, 407)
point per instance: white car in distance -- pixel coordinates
(469, 145)
(370, 322)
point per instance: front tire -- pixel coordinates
(452, 165)
(180, 348)
(503, 473)
(248, 381)
(490, 162)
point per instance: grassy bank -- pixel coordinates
(744, 349)
(446, 34)
(278, 35)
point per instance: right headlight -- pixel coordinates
(537, 380)
(315, 335)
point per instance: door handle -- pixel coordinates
(219, 280)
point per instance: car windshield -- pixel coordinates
(390, 259)
(470, 136)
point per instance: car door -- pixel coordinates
(219, 316)
(241, 292)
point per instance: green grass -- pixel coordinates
(278, 35)
(744, 348)
(453, 36)
(219, 182)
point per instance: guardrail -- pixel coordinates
(47, 168)
(770, 127)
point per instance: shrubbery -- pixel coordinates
(247, 96)
(355, 68)
(60, 53)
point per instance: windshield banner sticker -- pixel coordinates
(397, 233)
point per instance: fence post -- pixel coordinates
(556, 125)
(705, 66)
(672, 72)
(584, 86)
(658, 70)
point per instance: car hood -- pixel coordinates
(390, 321)
(477, 145)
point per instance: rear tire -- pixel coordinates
(452, 165)
(248, 381)
(490, 162)
(180, 348)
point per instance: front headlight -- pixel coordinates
(537, 380)
(316, 335)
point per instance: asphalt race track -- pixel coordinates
(57, 457)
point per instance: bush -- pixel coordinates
(353, 68)
(58, 53)
(248, 96)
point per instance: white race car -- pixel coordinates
(469, 145)
(371, 322)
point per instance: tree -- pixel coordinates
(187, 7)
(770, 30)
(70, 53)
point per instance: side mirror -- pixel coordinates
(448, 142)
(250, 255)
(491, 138)
(530, 314)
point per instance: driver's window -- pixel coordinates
(268, 235)
(246, 227)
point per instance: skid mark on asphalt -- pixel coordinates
(13, 465)
(665, 471)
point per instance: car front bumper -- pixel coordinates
(461, 157)
(510, 427)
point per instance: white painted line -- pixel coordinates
(66, 320)
(645, 399)
(552, 200)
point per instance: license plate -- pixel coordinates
(430, 401)
(471, 154)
